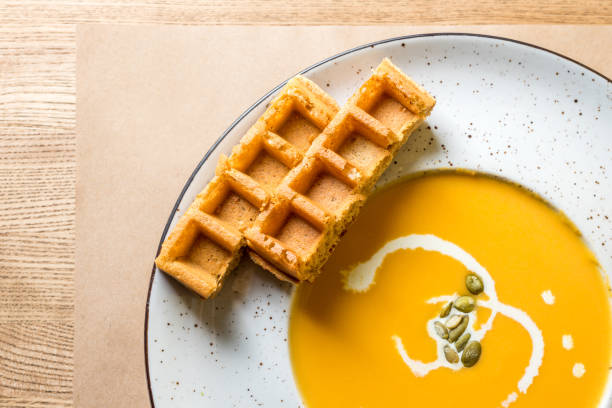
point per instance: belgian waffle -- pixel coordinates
(207, 241)
(319, 198)
(295, 181)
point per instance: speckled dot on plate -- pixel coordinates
(503, 108)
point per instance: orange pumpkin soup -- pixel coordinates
(363, 334)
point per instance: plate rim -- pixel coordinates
(274, 90)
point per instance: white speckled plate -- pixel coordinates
(504, 107)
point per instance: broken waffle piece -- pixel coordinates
(321, 196)
(207, 242)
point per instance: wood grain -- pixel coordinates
(309, 12)
(38, 151)
(37, 201)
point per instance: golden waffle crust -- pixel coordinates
(295, 181)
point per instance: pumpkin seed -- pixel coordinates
(441, 330)
(453, 321)
(446, 310)
(461, 343)
(471, 354)
(451, 355)
(465, 304)
(455, 333)
(474, 284)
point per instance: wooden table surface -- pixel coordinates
(38, 150)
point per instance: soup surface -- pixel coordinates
(361, 336)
